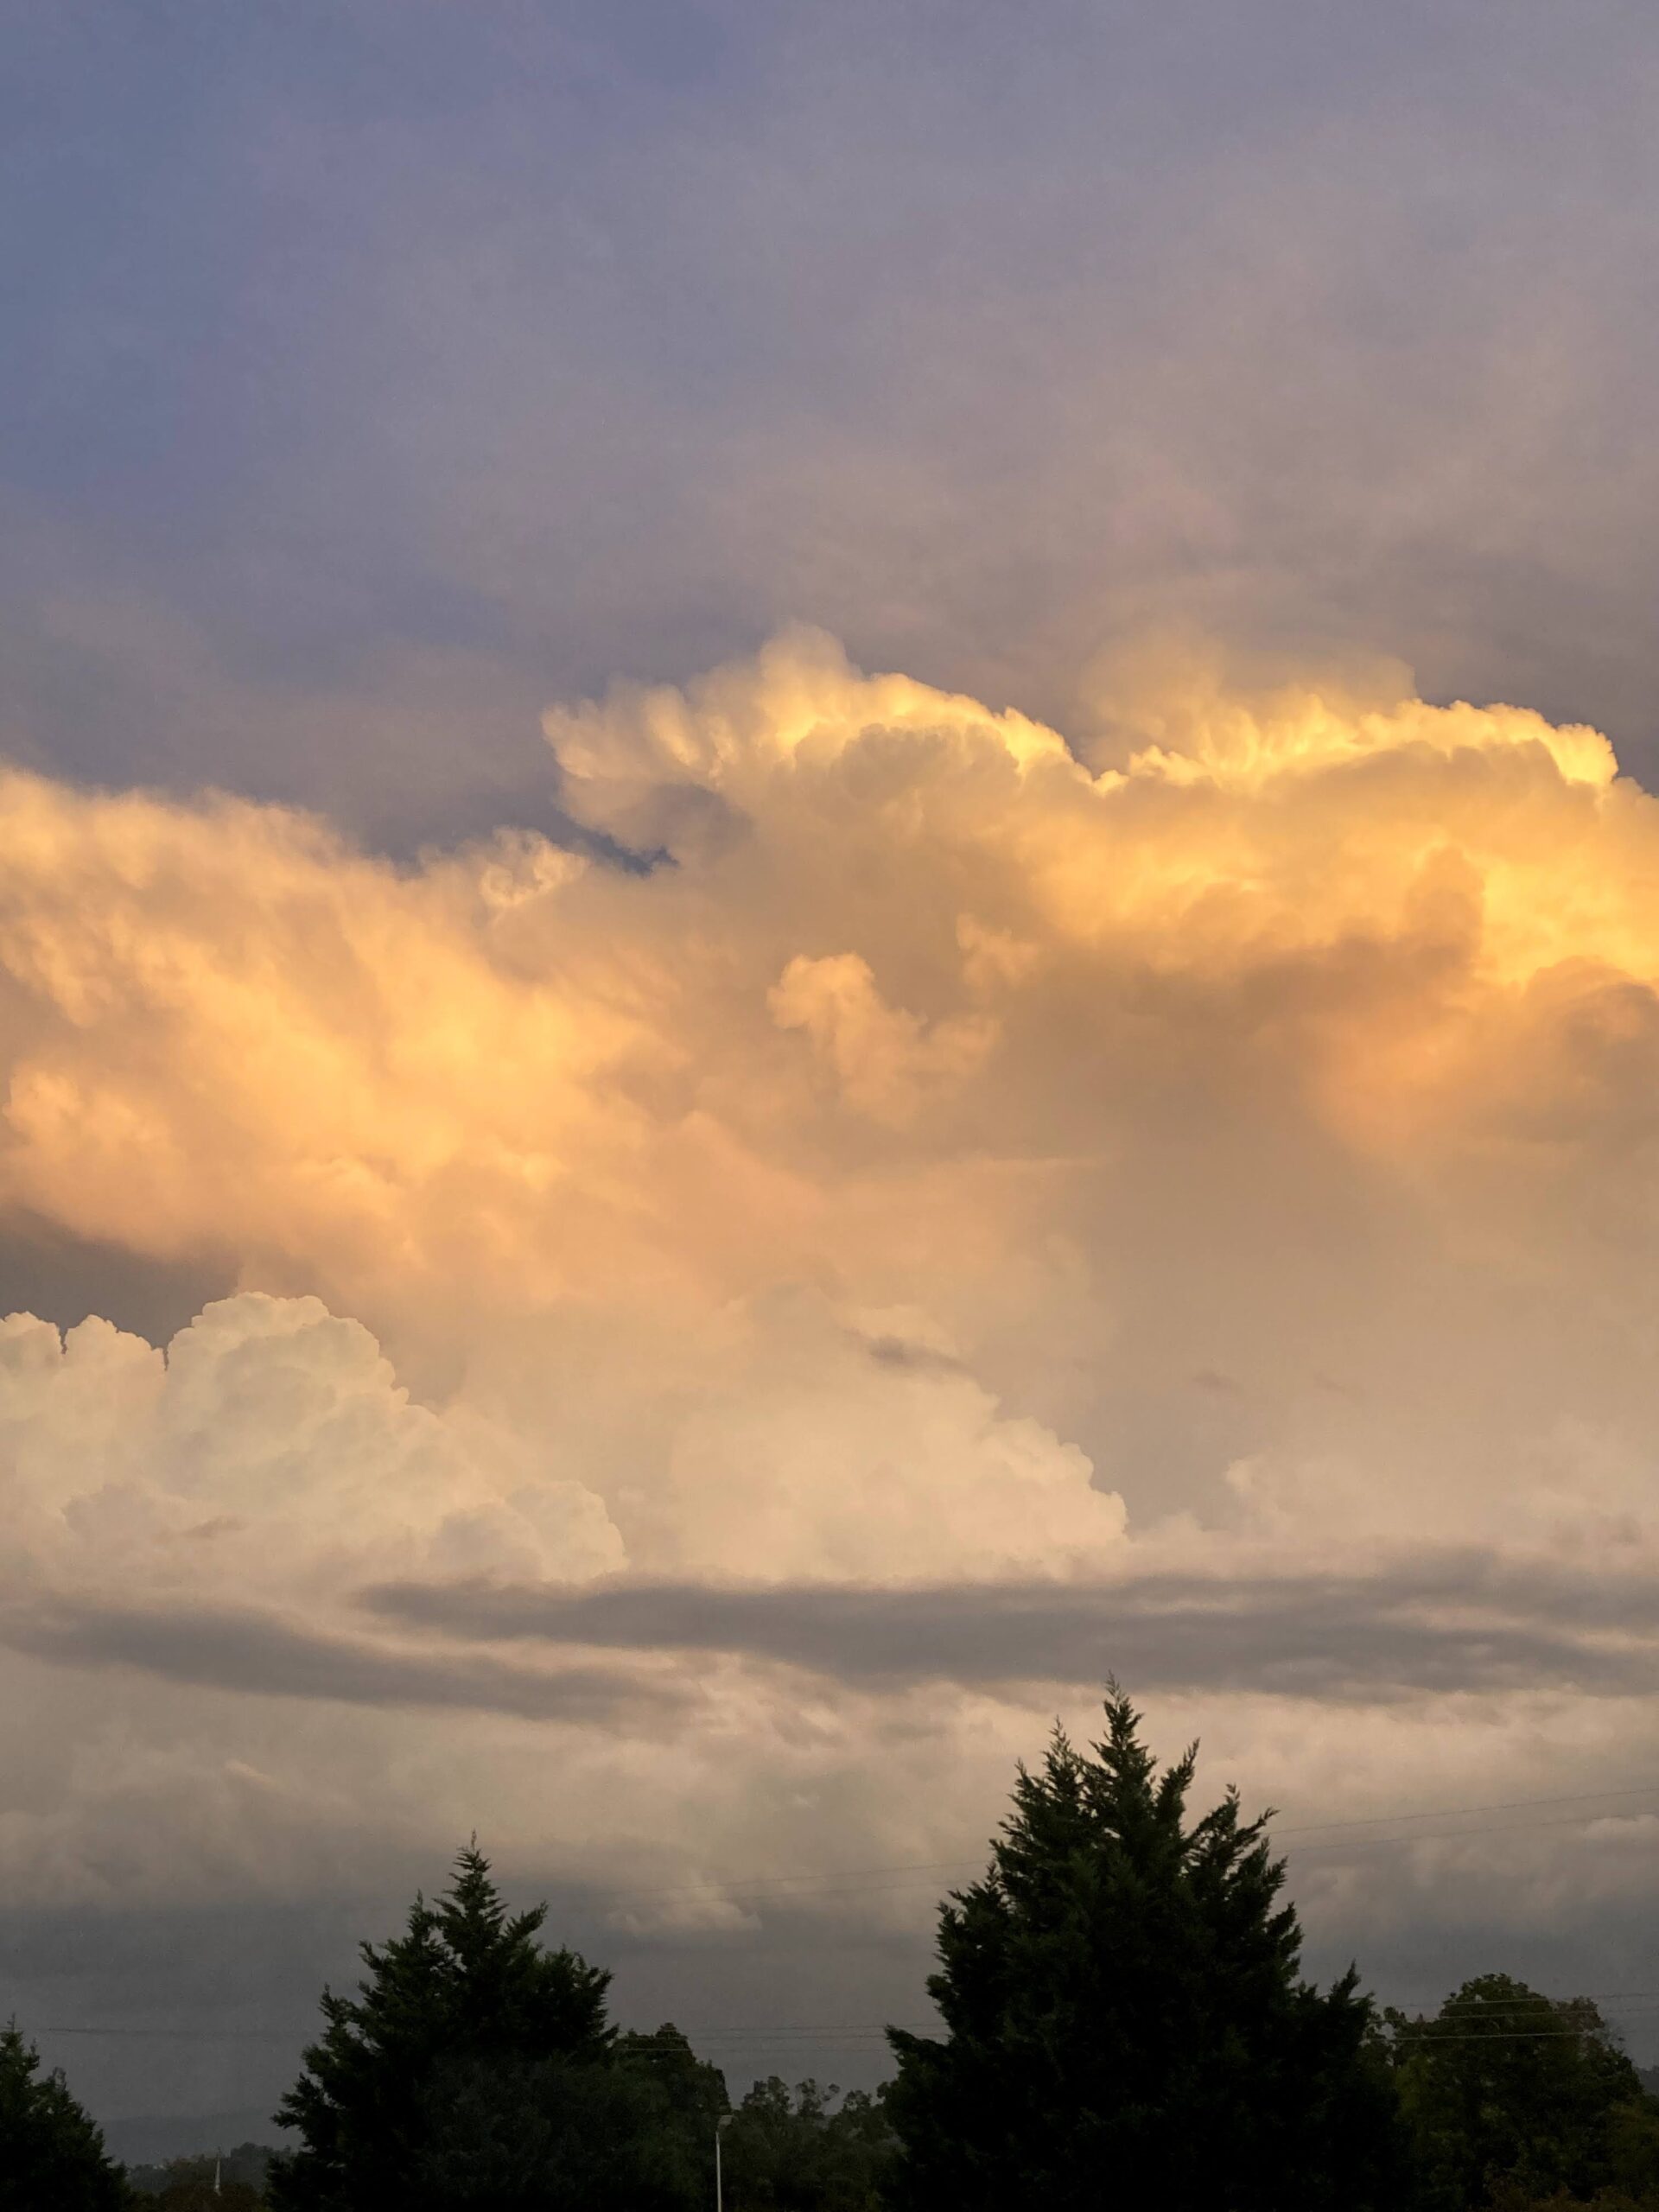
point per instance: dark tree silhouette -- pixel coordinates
(632, 2132)
(466, 1992)
(1514, 2099)
(809, 2151)
(1125, 2022)
(51, 2154)
(198, 2185)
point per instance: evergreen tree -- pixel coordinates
(51, 2154)
(1514, 2099)
(1125, 2022)
(465, 1992)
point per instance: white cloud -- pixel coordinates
(961, 1164)
(270, 1451)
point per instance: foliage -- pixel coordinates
(691, 2092)
(464, 1994)
(201, 2185)
(1516, 2100)
(1124, 2016)
(806, 2153)
(1125, 2021)
(633, 2131)
(246, 2165)
(51, 2154)
(1605, 2200)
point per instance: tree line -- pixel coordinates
(1124, 2023)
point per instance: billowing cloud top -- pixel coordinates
(1192, 1206)
(888, 914)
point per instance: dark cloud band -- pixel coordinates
(1443, 1622)
(242, 1650)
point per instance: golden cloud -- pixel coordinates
(1192, 1102)
(952, 1161)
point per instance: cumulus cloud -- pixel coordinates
(270, 1448)
(883, 1060)
(1397, 923)
(963, 1212)
(1197, 1102)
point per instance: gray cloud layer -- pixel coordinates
(238, 1649)
(1463, 1621)
(1460, 1622)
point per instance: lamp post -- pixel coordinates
(725, 2120)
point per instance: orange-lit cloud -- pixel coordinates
(892, 918)
(949, 1161)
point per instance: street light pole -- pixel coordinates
(724, 2120)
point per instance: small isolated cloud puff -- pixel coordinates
(690, 1910)
(271, 1450)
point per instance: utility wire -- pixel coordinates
(852, 1878)
(801, 2037)
(878, 1880)
(1503, 1805)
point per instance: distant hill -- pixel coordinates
(1648, 2077)
(151, 2138)
(248, 2162)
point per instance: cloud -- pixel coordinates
(1277, 1051)
(873, 1196)
(968, 1210)
(1401, 925)
(1452, 1624)
(240, 1651)
(882, 1059)
(270, 1449)
(1180, 360)
(1315, 1011)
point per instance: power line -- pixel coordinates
(730, 2028)
(882, 1880)
(1522, 2004)
(1629, 2000)
(1513, 2035)
(1447, 1835)
(803, 2037)
(1503, 1805)
(852, 1878)
(212, 2035)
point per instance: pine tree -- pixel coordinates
(1125, 2022)
(465, 1991)
(51, 2154)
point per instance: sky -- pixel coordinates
(827, 895)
